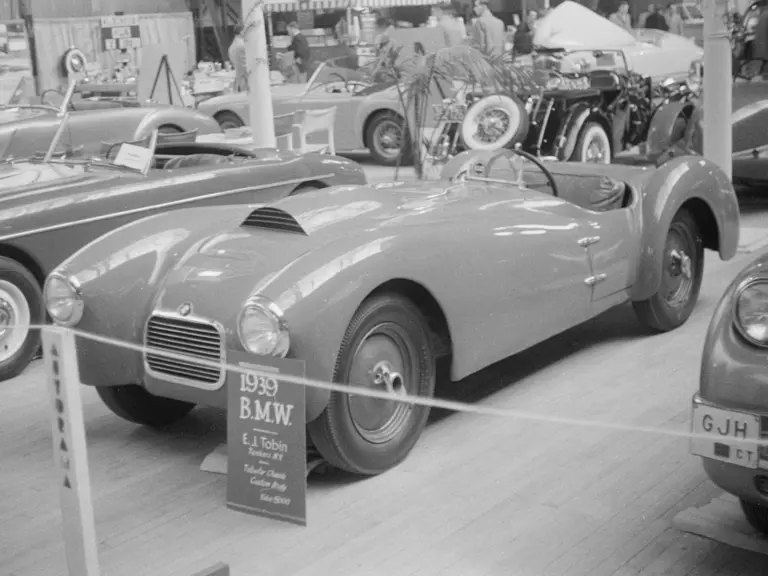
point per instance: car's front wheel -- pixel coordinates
(592, 145)
(388, 140)
(386, 348)
(681, 275)
(21, 307)
(756, 515)
(135, 404)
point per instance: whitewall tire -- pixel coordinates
(494, 122)
(593, 145)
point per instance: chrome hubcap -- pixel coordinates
(15, 318)
(595, 152)
(678, 276)
(492, 125)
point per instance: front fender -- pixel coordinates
(663, 123)
(573, 124)
(678, 181)
(119, 275)
(185, 118)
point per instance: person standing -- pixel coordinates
(236, 55)
(656, 20)
(300, 48)
(488, 32)
(676, 25)
(453, 28)
(621, 17)
(523, 39)
(644, 16)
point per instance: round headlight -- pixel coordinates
(752, 312)
(62, 300)
(262, 330)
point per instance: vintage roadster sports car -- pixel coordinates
(370, 116)
(27, 130)
(48, 210)
(730, 412)
(354, 280)
(588, 108)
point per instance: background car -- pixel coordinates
(658, 55)
(27, 130)
(50, 210)
(355, 281)
(729, 422)
(370, 116)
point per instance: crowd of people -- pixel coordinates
(656, 17)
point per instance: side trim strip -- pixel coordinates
(160, 206)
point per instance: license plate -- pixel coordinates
(449, 113)
(725, 435)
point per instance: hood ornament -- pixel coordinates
(185, 309)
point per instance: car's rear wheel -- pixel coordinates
(756, 515)
(135, 404)
(386, 347)
(21, 306)
(388, 140)
(229, 120)
(682, 272)
(593, 145)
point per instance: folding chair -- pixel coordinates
(308, 122)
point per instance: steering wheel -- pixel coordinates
(515, 157)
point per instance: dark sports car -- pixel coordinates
(48, 210)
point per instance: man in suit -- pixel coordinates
(300, 48)
(452, 26)
(237, 58)
(488, 32)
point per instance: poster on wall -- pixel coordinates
(120, 33)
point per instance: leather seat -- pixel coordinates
(596, 193)
(194, 160)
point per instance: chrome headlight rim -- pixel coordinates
(78, 306)
(276, 316)
(740, 290)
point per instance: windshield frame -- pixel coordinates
(565, 52)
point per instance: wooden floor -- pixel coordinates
(480, 496)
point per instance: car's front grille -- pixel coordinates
(188, 338)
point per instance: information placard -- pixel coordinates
(266, 438)
(120, 32)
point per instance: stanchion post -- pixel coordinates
(70, 452)
(257, 61)
(717, 85)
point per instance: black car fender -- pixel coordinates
(663, 123)
(575, 121)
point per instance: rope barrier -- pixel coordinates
(431, 402)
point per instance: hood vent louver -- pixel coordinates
(270, 218)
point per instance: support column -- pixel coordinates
(257, 60)
(717, 85)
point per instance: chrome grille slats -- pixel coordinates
(271, 218)
(188, 337)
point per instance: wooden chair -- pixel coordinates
(284, 131)
(308, 122)
(177, 137)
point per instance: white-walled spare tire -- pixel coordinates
(593, 145)
(494, 122)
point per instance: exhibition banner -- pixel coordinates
(266, 438)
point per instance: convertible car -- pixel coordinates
(730, 411)
(369, 115)
(50, 209)
(27, 130)
(369, 285)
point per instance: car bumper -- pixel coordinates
(102, 364)
(747, 478)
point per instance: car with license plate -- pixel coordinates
(370, 285)
(729, 423)
(26, 130)
(52, 205)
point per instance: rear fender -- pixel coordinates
(662, 124)
(184, 118)
(127, 267)
(678, 181)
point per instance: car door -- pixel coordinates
(26, 131)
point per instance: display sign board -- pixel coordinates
(120, 32)
(69, 452)
(266, 438)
